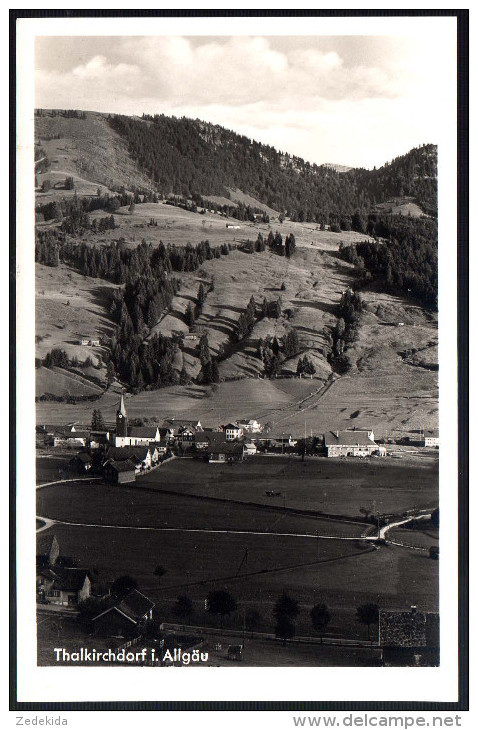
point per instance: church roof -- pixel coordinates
(143, 431)
(122, 408)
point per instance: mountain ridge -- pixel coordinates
(190, 157)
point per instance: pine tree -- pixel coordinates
(97, 422)
(189, 315)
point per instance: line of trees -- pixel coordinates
(278, 246)
(345, 331)
(285, 612)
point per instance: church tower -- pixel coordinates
(121, 419)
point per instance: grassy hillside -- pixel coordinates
(89, 150)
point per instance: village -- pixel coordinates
(122, 452)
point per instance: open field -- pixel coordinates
(67, 307)
(330, 486)
(90, 151)
(269, 401)
(400, 206)
(341, 574)
(134, 506)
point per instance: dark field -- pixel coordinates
(97, 504)
(335, 486)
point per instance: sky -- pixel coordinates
(350, 100)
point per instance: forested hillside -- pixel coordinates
(187, 157)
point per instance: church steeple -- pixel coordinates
(121, 418)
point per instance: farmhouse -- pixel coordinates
(250, 449)
(119, 472)
(142, 435)
(62, 586)
(67, 436)
(201, 440)
(98, 439)
(227, 452)
(352, 443)
(161, 448)
(140, 456)
(251, 426)
(86, 340)
(409, 638)
(233, 431)
(182, 430)
(430, 438)
(81, 463)
(125, 616)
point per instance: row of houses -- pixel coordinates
(185, 434)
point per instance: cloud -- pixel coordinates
(99, 68)
(298, 95)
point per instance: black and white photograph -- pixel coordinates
(240, 359)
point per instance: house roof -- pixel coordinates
(136, 604)
(232, 425)
(122, 453)
(348, 438)
(408, 629)
(60, 432)
(121, 466)
(228, 447)
(201, 437)
(85, 458)
(65, 579)
(78, 433)
(181, 423)
(216, 440)
(144, 431)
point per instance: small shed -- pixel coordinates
(119, 472)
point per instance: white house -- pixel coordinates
(250, 449)
(62, 586)
(250, 426)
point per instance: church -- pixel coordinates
(134, 435)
